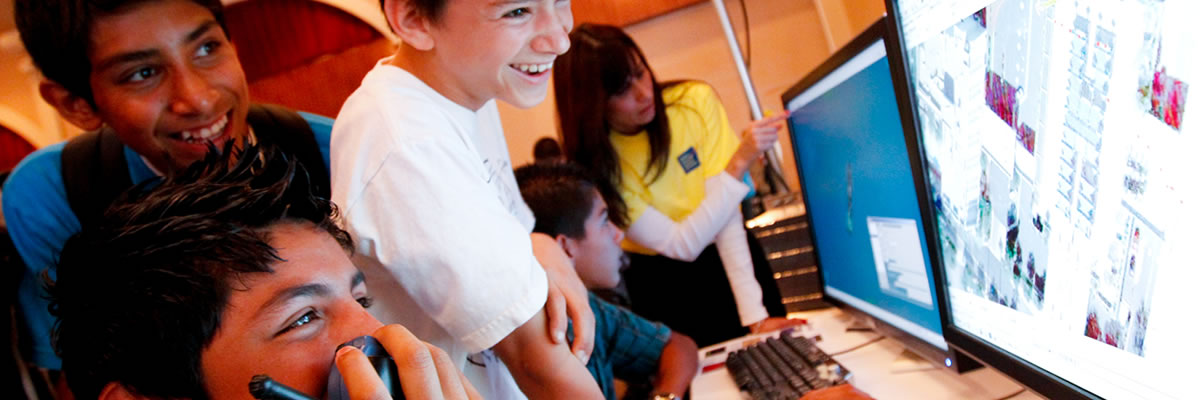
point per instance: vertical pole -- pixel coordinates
(756, 113)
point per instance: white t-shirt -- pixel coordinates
(426, 188)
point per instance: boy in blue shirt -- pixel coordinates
(156, 83)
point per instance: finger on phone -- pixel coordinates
(414, 363)
(362, 382)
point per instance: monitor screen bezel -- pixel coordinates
(1026, 373)
(876, 32)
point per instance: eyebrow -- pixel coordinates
(308, 290)
(504, 3)
(140, 55)
(286, 295)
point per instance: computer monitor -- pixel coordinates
(1058, 171)
(859, 193)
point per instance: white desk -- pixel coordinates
(872, 365)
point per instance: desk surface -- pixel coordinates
(875, 367)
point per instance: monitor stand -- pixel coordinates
(856, 323)
(908, 361)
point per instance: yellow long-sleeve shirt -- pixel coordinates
(702, 143)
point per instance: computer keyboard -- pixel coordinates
(784, 368)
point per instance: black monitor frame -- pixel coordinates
(881, 29)
(1024, 372)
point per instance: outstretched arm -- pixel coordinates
(739, 269)
(677, 366)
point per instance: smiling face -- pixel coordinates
(287, 324)
(630, 111)
(598, 256)
(498, 49)
(167, 80)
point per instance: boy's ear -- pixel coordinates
(117, 391)
(409, 25)
(77, 110)
(567, 245)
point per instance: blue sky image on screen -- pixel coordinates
(854, 130)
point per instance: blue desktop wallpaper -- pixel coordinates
(854, 129)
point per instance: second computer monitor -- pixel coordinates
(858, 187)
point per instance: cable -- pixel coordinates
(746, 27)
(864, 344)
(1012, 395)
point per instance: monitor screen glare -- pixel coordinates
(1060, 151)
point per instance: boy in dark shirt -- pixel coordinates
(570, 208)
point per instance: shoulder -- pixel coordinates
(37, 174)
(322, 129)
(617, 318)
(689, 93)
(691, 102)
(321, 125)
(626, 332)
(35, 207)
(391, 106)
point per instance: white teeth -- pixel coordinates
(533, 68)
(207, 132)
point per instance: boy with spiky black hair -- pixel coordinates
(227, 270)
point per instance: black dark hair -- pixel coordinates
(546, 149)
(603, 62)
(57, 35)
(140, 295)
(560, 196)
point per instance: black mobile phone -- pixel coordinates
(379, 358)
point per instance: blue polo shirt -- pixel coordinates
(40, 221)
(627, 346)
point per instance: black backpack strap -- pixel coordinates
(289, 132)
(94, 174)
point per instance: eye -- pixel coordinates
(208, 48)
(308, 317)
(517, 13)
(141, 74)
(366, 301)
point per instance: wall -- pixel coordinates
(845, 19)
(21, 107)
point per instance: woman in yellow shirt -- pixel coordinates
(670, 152)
